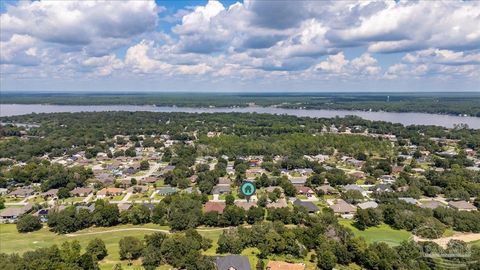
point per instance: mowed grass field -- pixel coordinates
(13, 242)
(382, 233)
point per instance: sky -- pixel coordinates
(251, 45)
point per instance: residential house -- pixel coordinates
(343, 209)
(107, 192)
(327, 189)
(304, 171)
(42, 214)
(272, 188)
(367, 205)
(397, 169)
(52, 193)
(311, 207)
(245, 205)
(355, 187)
(81, 192)
(221, 190)
(280, 203)
(148, 180)
(21, 192)
(164, 191)
(3, 191)
(232, 262)
(431, 204)
(418, 170)
(409, 200)
(380, 188)
(214, 207)
(223, 181)
(302, 190)
(11, 214)
(105, 178)
(387, 179)
(462, 206)
(357, 174)
(298, 181)
(278, 265)
(90, 208)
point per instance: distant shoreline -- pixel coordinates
(456, 104)
(404, 118)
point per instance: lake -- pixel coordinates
(395, 117)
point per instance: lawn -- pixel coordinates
(12, 241)
(474, 243)
(382, 233)
(37, 199)
(71, 200)
(13, 199)
(139, 197)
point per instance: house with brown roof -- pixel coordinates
(278, 265)
(302, 190)
(462, 206)
(245, 205)
(52, 193)
(327, 189)
(431, 204)
(81, 191)
(357, 174)
(214, 207)
(343, 209)
(106, 192)
(148, 180)
(281, 203)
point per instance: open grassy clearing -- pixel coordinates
(382, 233)
(474, 243)
(13, 242)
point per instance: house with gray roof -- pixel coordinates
(232, 262)
(164, 191)
(367, 205)
(221, 189)
(355, 187)
(408, 200)
(21, 192)
(311, 207)
(11, 214)
(298, 181)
